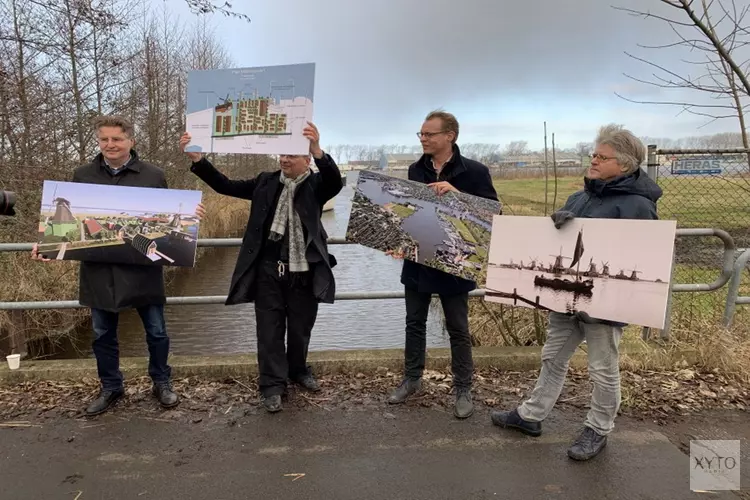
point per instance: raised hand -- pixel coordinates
(184, 141)
(311, 132)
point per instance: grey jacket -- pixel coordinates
(632, 196)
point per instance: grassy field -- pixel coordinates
(694, 202)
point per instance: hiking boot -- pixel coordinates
(104, 401)
(163, 392)
(588, 445)
(308, 382)
(512, 420)
(464, 407)
(272, 404)
(406, 388)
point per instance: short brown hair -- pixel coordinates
(115, 121)
(450, 124)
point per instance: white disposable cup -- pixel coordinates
(14, 361)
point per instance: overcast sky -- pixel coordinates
(503, 67)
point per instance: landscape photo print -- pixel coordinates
(611, 269)
(407, 220)
(260, 110)
(118, 224)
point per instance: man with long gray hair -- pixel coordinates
(615, 187)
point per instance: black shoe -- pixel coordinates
(406, 388)
(512, 420)
(104, 401)
(272, 403)
(308, 382)
(163, 392)
(588, 445)
(464, 407)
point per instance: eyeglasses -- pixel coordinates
(429, 134)
(597, 156)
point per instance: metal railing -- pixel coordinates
(729, 270)
(733, 300)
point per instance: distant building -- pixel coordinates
(361, 165)
(537, 160)
(400, 161)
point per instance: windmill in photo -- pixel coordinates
(63, 221)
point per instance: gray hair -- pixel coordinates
(629, 150)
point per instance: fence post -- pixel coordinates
(652, 170)
(651, 165)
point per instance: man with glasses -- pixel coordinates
(283, 265)
(444, 169)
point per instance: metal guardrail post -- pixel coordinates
(727, 266)
(734, 288)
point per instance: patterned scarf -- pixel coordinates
(284, 213)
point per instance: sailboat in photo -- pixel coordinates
(577, 286)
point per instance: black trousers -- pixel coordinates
(456, 311)
(283, 305)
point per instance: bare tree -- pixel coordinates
(210, 7)
(517, 148)
(716, 33)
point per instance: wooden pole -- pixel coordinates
(546, 180)
(554, 172)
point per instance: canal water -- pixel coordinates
(220, 329)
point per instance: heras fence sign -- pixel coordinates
(701, 165)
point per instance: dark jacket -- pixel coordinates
(467, 176)
(264, 190)
(114, 287)
(631, 196)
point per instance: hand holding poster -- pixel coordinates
(118, 224)
(611, 269)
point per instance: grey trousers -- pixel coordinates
(564, 335)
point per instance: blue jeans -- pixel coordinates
(107, 352)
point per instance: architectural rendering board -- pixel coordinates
(409, 221)
(118, 224)
(612, 269)
(260, 110)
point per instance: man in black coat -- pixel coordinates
(110, 288)
(444, 169)
(283, 265)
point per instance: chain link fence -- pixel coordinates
(703, 188)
